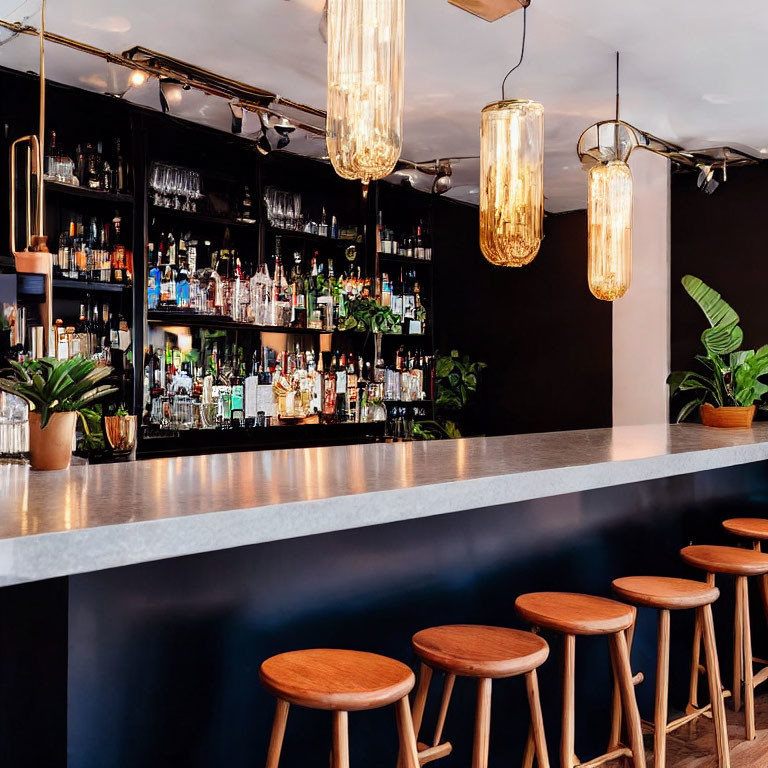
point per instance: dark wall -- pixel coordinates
(723, 239)
(546, 339)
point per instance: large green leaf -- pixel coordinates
(748, 366)
(725, 335)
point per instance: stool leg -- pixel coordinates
(749, 684)
(567, 752)
(738, 647)
(340, 740)
(408, 751)
(420, 699)
(704, 616)
(623, 672)
(693, 691)
(447, 691)
(482, 724)
(537, 719)
(278, 732)
(662, 691)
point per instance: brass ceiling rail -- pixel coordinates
(162, 66)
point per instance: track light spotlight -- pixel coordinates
(237, 117)
(171, 91)
(706, 181)
(443, 181)
(138, 78)
(262, 143)
(284, 130)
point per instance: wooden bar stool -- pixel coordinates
(741, 563)
(484, 653)
(665, 595)
(756, 529)
(342, 682)
(574, 614)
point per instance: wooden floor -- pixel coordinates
(693, 746)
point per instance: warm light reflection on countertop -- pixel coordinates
(117, 514)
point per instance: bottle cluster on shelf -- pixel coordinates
(91, 167)
(302, 386)
(310, 296)
(417, 245)
(95, 334)
(97, 254)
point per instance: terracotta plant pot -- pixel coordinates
(51, 448)
(727, 417)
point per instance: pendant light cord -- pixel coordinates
(520, 61)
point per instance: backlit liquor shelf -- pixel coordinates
(180, 253)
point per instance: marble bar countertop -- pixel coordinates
(89, 518)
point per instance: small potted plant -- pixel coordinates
(57, 391)
(456, 383)
(728, 387)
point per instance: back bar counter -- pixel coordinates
(139, 599)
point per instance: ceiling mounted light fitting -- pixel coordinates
(609, 210)
(366, 51)
(171, 92)
(512, 177)
(284, 129)
(263, 143)
(443, 181)
(490, 10)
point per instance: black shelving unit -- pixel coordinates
(293, 234)
(218, 322)
(70, 190)
(226, 164)
(89, 286)
(192, 217)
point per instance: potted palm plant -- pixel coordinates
(57, 392)
(728, 387)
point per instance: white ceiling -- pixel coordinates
(693, 71)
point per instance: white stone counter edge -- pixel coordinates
(63, 553)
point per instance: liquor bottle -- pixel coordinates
(119, 183)
(105, 265)
(82, 330)
(419, 244)
(352, 392)
(182, 286)
(246, 205)
(323, 230)
(119, 256)
(341, 387)
(171, 249)
(93, 161)
(168, 286)
(80, 248)
(329, 386)
(81, 167)
(61, 264)
(154, 279)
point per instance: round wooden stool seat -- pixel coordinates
(663, 592)
(575, 614)
(717, 559)
(325, 678)
(479, 651)
(751, 527)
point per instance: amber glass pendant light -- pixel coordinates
(609, 216)
(364, 126)
(512, 178)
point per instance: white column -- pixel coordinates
(641, 317)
